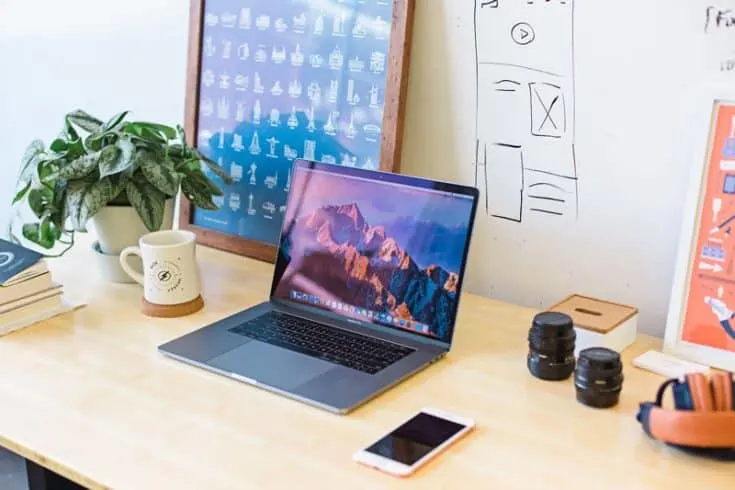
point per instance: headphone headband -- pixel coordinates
(704, 414)
(694, 429)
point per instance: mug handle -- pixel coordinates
(126, 267)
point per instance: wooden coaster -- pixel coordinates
(172, 311)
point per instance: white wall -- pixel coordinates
(636, 78)
(103, 57)
(108, 56)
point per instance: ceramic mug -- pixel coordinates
(170, 273)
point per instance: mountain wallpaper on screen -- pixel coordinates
(339, 248)
(429, 242)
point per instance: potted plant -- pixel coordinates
(122, 176)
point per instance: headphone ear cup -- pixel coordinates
(682, 396)
(701, 392)
(722, 391)
(697, 428)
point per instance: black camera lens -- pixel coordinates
(551, 346)
(598, 378)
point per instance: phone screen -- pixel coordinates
(415, 439)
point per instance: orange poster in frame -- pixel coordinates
(701, 321)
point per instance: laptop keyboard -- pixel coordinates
(348, 349)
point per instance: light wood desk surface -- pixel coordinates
(88, 396)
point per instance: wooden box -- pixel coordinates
(600, 323)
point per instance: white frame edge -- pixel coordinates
(702, 131)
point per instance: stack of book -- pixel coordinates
(28, 293)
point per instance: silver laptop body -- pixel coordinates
(365, 290)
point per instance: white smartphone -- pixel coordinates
(416, 441)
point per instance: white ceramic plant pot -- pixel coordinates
(118, 227)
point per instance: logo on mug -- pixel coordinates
(166, 274)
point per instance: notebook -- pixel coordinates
(18, 263)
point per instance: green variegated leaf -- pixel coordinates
(141, 155)
(81, 167)
(117, 159)
(94, 141)
(31, 157)
(197, 195)
(60, 211)
(205, 182)
(22, 192)
(118, 183)
(119, 196)
(30, 232)
(70, 133)
(167, 131)
(151, 135)
(114, 122)
(169, 163)
(218, 171)
(75, 192)
(161, 176)
(214, 167)
(85, 121)
(214, 188)
(46, 233)
(84, 200)
(58, 145)
(148, 201)
(45, 172)
(39, 199)
(75, 150)
(100, 193)
(182, 134)
(176, 150)
(144, 133)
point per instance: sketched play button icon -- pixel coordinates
(522, 33)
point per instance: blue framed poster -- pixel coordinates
(273, 81)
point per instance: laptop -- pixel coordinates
(365, 290)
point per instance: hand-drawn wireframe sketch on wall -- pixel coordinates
(525, 160)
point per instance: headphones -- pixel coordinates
(703, 421)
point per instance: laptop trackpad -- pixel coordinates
(271, 365)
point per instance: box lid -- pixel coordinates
(594, 314)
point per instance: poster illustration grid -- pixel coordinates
(710, 308)
(285, 80)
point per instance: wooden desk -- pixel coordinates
(88, 396)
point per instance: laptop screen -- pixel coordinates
(375, 247)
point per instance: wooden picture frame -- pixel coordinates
(393, 108)
(701, 322)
